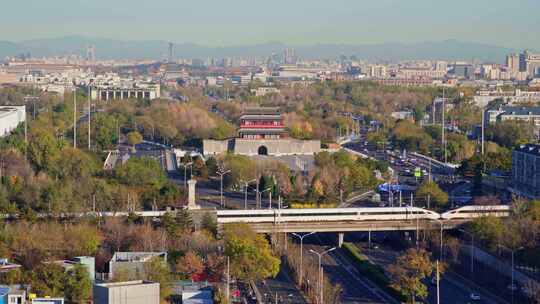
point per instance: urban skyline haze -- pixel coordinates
(218, 23)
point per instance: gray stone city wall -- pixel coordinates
(277, 147)
(214, 147)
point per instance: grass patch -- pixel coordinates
(374, 273)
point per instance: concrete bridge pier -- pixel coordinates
(341, 236)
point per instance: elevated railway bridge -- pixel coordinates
(341, 220)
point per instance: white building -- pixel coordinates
(10, 118)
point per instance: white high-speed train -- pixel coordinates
(470, 212)
(324, 215)
(356, 214)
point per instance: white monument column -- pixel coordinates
(191, 195)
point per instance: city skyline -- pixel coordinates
(294, 23)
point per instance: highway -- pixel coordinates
(282, 287)
(454, 289)
(340, 270)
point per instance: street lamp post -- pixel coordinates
(246, 183)
(261, 195)
(512, 251)
(301, 237)
(441, 240)
(321, 283)
(185, 165)
(221, 173)
(472, 248)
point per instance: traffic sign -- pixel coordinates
(417, 172)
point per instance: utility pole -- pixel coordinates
(227, 295)
(483, 128)
(221, 173)
(443, 126)
(246, 184)
(438, 283)
(321, 283)
(89, 117)
(75, 118)
(301, 237)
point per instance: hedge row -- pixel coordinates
(374, 273)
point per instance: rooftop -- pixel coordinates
(519, 110)
(262, 111)
(126, 283)
(529, 149)
(136, 256)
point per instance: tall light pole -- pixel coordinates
(301, 237)
(89, 117)
(321, 283)
(185, 165)
(512, 251)
(246, 185)
(221, 173)
(443, 126)
(483, 128)
(75, 117)
(441, 240)
(472, 248)
(261, 193)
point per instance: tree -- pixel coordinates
(510, 133)
(78, 286)
(190, 265)
(141, 172)
(184, 220)
(157, 270)
(431, 190)
(488, 229)
(134, 138)
(48, 280)
(249, 253)
(407, 273)
(208, 222)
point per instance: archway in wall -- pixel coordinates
(262, 150)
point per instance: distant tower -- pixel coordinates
(171, 45)
(91, 53)
(289, 56)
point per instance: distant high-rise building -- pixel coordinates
(523, 61)
(289, 56)
(441, 66)
(91, 53)
(464, 71)
(512, 63)
(171, 46)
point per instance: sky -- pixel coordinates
(514, 23)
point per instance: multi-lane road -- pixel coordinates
(453, 289)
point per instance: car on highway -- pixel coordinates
(475, 297)
(513, 287)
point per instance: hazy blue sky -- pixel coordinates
(513, 23)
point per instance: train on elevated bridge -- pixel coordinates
(356, 219)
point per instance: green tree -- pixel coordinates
(78, 286)
(134, 138)
(184, 220)
(157, 270)
(407, 273)
(42, 149)
(430, 190)
(170, 224)
(208, 222)
(250, 255)
(48, 280)
(489, 230)
(141, 172)
(510, 133)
